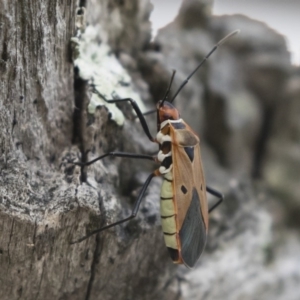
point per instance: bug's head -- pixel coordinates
(166, 111)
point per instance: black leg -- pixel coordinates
(133, 213)
(139, 114)
(117, 154)
(217, 194)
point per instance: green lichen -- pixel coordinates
(100, 68)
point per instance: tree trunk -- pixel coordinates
(47, 202)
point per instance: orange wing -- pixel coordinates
(189, 194)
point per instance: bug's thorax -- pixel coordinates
(166, 114)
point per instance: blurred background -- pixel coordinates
(282, 16)
(245, 105)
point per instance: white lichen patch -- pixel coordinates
(100, 68)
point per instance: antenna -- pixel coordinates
(168, 89)
(204, 60)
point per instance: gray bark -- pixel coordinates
(59, 61)
(43, 203)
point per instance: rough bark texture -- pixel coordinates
(44, 205)
(59, 62)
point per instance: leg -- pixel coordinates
(117, 154)
(133, 213)
(216, 194)
(139, 115)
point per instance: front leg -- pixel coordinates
(139, 115)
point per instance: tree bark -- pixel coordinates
(47, 202)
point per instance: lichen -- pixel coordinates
(96, 64)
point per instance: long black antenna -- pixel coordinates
(168, 89)
(204, 60)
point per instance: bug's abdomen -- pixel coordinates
(168, 217)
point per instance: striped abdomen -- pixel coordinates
(168, 216)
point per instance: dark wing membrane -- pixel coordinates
(189, 195)
(192, 233)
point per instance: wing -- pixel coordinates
(189, 194)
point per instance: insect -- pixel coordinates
(183, 206)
